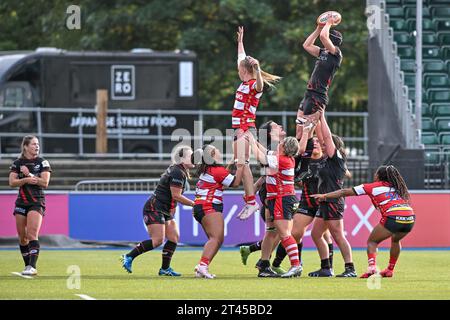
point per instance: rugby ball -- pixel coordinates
(322, 19)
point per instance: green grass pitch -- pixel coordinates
(419, 275)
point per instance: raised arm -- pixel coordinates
(260, 155)
(240, 45)
(330, 148)
(335, 194)
(238, 177)
(307, 132)
(309, 45)
(325, 35)
(259, 79)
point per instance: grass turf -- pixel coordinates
(419, 275)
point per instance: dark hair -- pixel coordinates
(340, 146)
(391, 175)
(336, 37)
(25, 142)
(204, 158)
(268, 127)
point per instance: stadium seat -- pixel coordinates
(434, 66)
(431, 53)
(409, 65)
(438, 96)
(427, 25)
(410, 80)
(430, 138)
(403, 38)
(441, 12)
(428, 125)
(426, 110)
(438, 2)
(394, 2)
(399, 25)
(429, 39)
(443, 124)
(436, 81)
(395, 12)
(445, 52)
(406, 52)
(445, 138)
(432, 155)
(440, 109)
(410, 12)
(442, 25)
(444, 38)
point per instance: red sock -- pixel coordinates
(392, 262)
(204, 261)
(290, 245)
(372, 259)
(250, 199)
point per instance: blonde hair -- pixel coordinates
(290, 145)
(26, 142)
(179, 154)
(268, 78)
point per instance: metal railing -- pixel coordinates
(351, 126)
(119, 185)
(385, 36)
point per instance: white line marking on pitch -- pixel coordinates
(85, 297)
(21, 275)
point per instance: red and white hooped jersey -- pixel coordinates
(245, 105)
(210, 185)
(280, 175)
(385, 198)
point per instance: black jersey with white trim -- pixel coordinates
(30, 194)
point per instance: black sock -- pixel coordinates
(24, 250)
(264, 264)
(167, 253)
(350, 266)
(141, 247)
(255, 246)
(34, 252)
(300, 247)
(280, 255)
(330, 248)
(325, 263)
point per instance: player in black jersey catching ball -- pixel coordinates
(328, 61)
(31, 174)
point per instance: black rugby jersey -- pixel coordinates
(323, 73)
(310, 184)
(30, 194)
(174, 176)
(331, 174)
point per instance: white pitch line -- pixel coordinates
(21, 275)
(85, 297)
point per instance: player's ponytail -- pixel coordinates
(391, 175)
(269, 79)
(340, 146)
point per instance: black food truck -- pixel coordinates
(52, 93)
